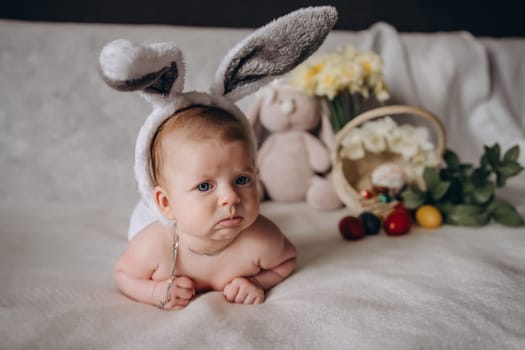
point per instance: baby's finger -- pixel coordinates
(259, 299)
(250, 299)
(184, 282)
(241, 296)
(176, 304)
(230, 291)
(183, 293)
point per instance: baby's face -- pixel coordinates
(211, 186)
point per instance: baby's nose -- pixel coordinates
(229, 196)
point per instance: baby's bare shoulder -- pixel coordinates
(146, 247)
(266, 243)
(263, 229)
(263, 235)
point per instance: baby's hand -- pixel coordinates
(181, 292)
(243, 291)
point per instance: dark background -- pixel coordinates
(499, 18)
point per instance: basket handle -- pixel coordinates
(397, 109)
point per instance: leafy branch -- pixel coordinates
(466, 195)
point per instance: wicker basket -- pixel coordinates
(353, 176)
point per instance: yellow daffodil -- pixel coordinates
(336, 75)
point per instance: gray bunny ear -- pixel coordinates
(273, 50)
(156, 69)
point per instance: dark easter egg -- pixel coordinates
(371, 223)
(351, 228)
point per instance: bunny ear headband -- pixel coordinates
(157, 71)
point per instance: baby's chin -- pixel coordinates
(226, 234)
(231, 229)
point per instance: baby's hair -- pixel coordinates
(198, 122)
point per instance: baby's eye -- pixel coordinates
(242, 180)
(203, 187)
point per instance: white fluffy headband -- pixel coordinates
(156, 71)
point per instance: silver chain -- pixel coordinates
(174, 248)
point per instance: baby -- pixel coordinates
(198, 220)
(205, 181)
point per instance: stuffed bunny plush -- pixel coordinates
(292, 162)
(157, 72)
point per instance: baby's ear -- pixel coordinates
(156, 70)
(163, 203)
(273, 50)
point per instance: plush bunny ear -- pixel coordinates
(273, 50)
(253, 115)
(156, 70)
(326, 133)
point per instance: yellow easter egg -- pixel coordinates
(428, 216)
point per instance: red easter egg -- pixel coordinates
(397, 223)
(351, 228)
(399, 207)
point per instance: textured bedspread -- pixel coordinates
(66, 192)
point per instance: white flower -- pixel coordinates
(353, 151)
(352, 136)
(421, 137)
(432, 159)
(419, 159)
(383, 134)
(399, 141)
(374, 142)
(381, 91)
(352, 146)
(381, 126)
(382, 95)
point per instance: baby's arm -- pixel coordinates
(135, 269)
(277, 259)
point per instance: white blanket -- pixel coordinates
(67, 191)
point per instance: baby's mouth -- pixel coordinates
(231, 221)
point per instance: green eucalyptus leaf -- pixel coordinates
(512, 153)
(431, 177)
(445, 207)
(493, 155)
(484, 162)
(504, 213)
(454, 193)
(481, 194)
(479, 175)
(466, 215)
(500, 179)
(451, 159)
(509, 168)
(413, 197)
(438, 190)
(468, 186)
(465, 169)
(447, 173)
